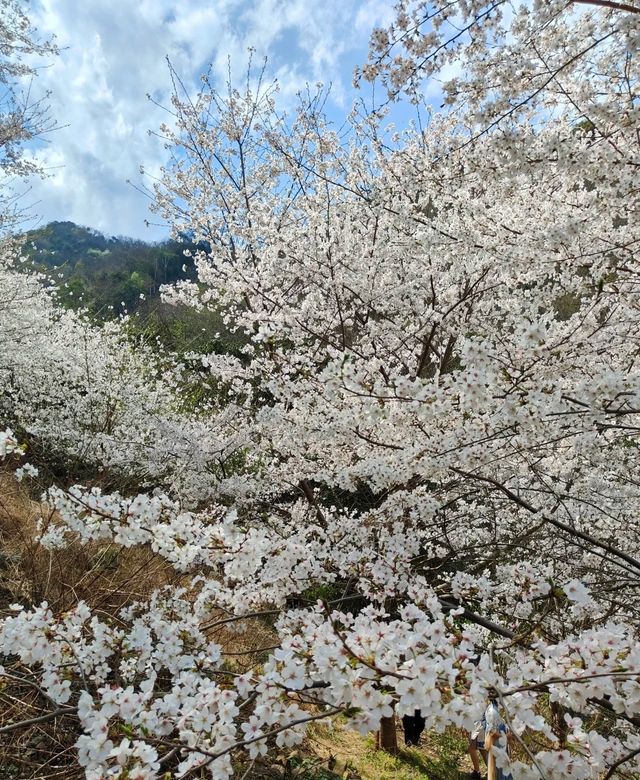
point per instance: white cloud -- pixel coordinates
(373, 13)
(114, 54)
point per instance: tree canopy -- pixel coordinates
(422, 466)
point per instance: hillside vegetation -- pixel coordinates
(105, 273)
(404, 476)
(109, 276)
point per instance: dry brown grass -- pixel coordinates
(106, 577)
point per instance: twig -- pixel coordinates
(620, 762)
(39, 719)
(235, 618)
(551, 520)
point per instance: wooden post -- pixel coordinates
(491, 760)
(386, 738)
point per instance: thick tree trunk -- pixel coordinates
(386, 738)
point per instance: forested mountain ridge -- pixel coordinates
(105, 271)
(112, 275)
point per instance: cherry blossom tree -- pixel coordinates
(89, 395)
(435, 420)
(23, 116)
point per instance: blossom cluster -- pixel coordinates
(420, 477)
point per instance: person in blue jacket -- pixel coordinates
(496, 734)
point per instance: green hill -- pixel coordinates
(111, 275)
(105, 271)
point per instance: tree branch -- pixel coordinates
(610, 4)
(551, 520)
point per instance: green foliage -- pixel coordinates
(442, 762)
(181, 329)
(102, 272)
(110, 275)
(352, 757)
(325, 592)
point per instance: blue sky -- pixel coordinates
(114, 54)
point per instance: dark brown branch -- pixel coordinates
(620, 762)
(479, 620)
(551, 520)
(309, 494)
(41, 719)
(632, 9)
